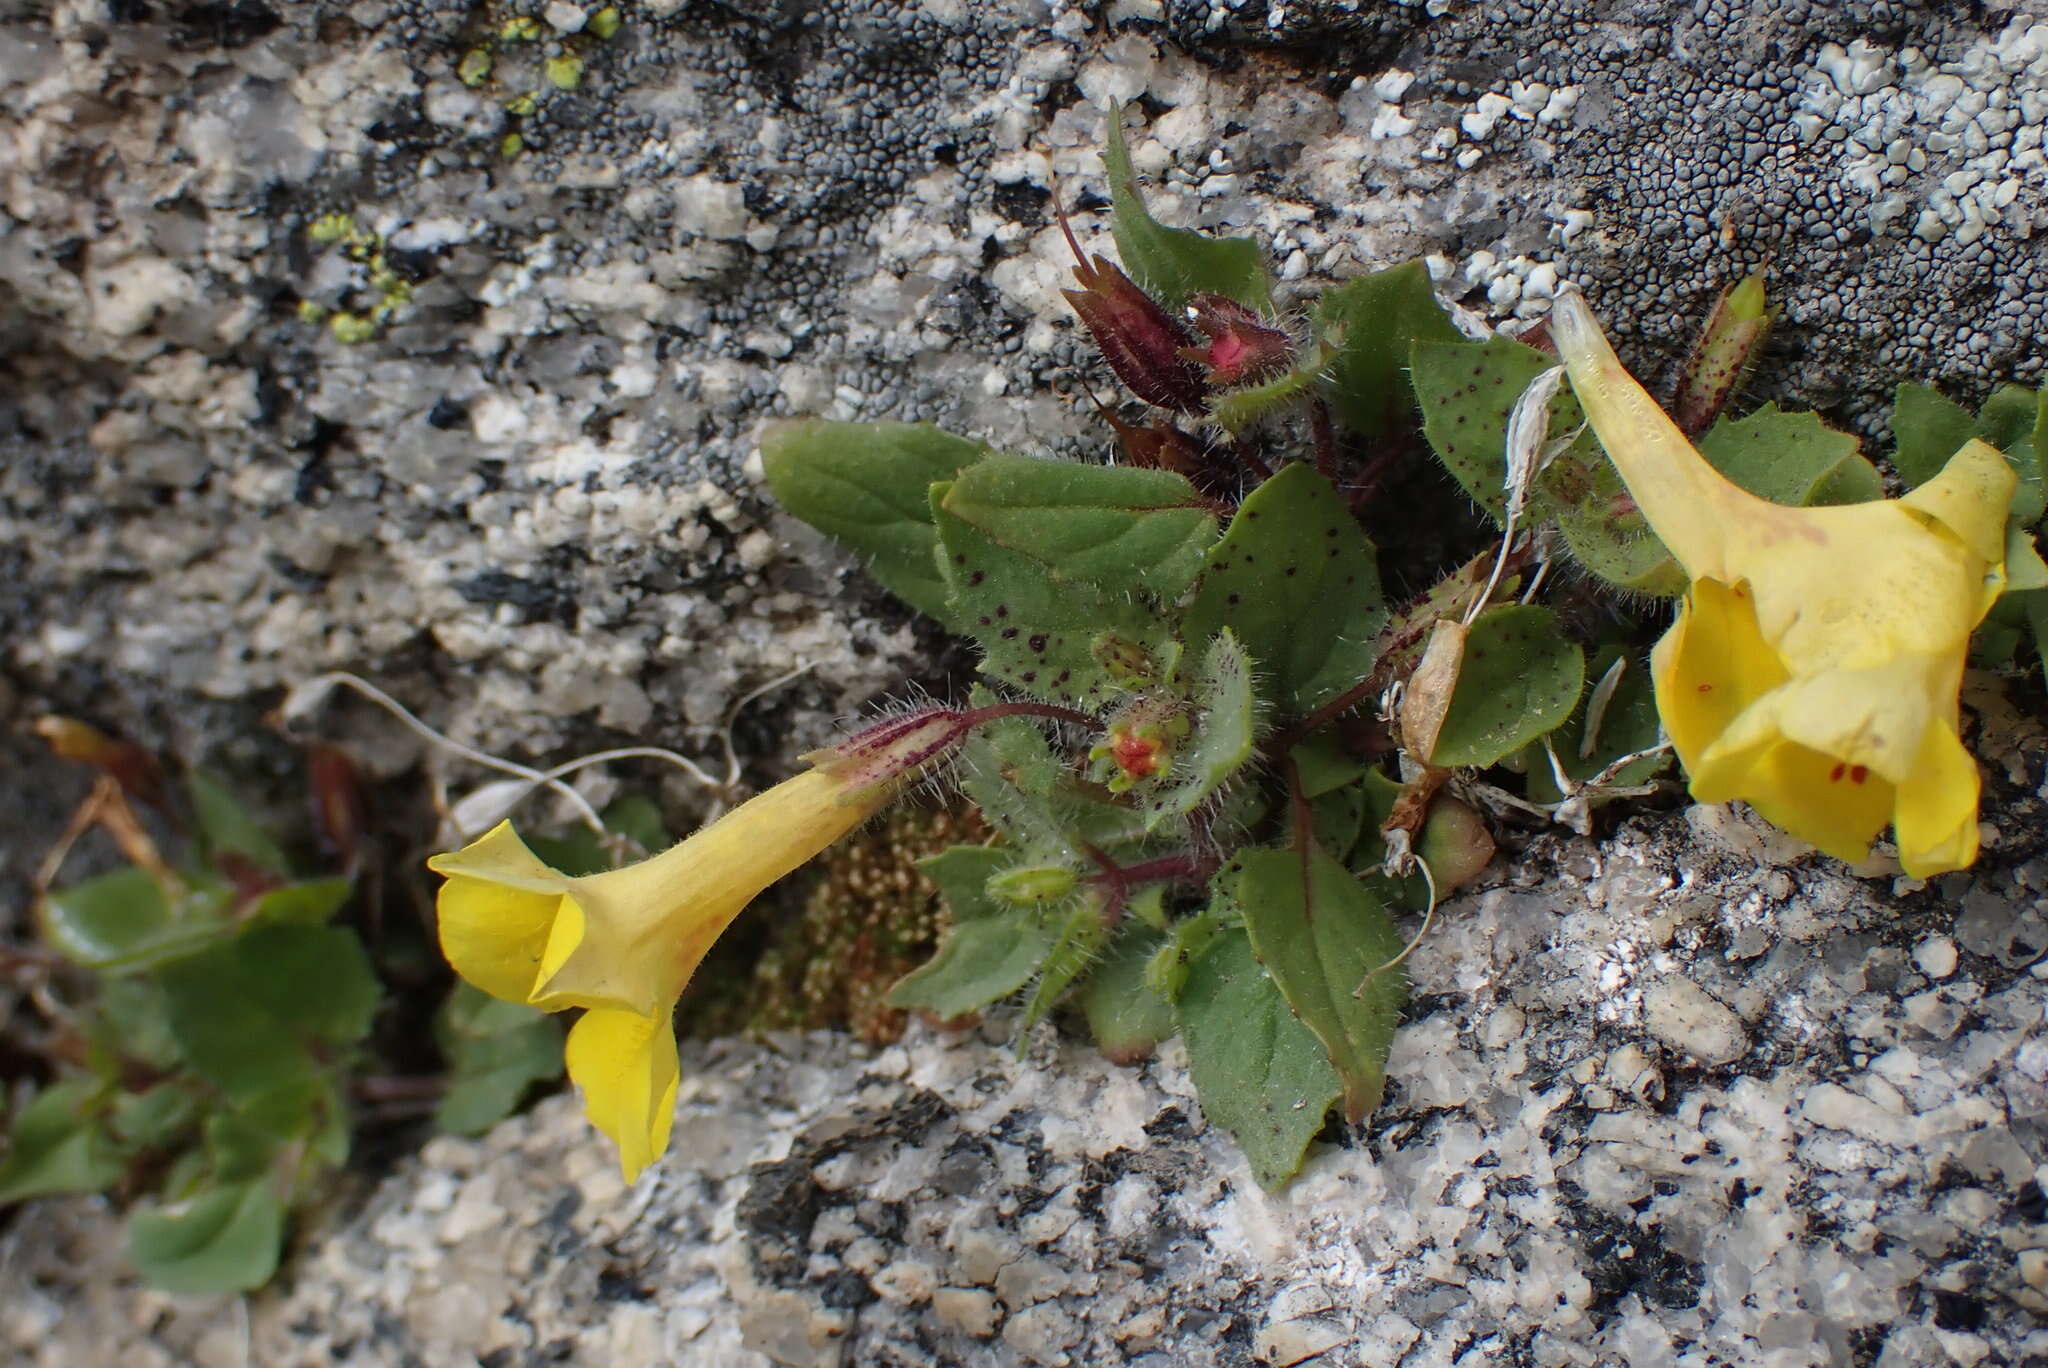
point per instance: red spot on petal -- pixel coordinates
(1859, 773)
(1835, 774)
(1706, 688)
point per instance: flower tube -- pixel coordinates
(1815, 663)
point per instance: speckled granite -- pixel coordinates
(1679, 1098)
(526, 504)
(1651, 1108)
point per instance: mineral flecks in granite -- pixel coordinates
(1818, 1150)
(525, 502)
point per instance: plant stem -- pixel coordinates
(995, 712)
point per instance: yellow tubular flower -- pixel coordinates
(1814, 666)
(623, 944)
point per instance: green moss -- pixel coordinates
(474, 68)
(604, 23)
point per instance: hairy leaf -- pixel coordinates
(1370, 326)
(1791, 458)
(868, 485)
(1466, 391)
(1127, 1015)
(1297, 583)
(1323, 936)
(1260, 1073)
(1223, 738)
(1116, 527)
(1173, 263)
(1519, 680)
(1036, 632)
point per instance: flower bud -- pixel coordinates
(1243, 348)
(894, 749)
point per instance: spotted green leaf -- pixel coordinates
(1519, 680)
(1297, 583)
(1115, 527)
(1370, 326)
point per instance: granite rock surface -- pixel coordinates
(1684, 1097)
(523, 500)
(1680, 1097)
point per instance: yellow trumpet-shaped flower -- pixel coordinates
(1814, 666)
(623, 944)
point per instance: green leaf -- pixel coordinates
(1172, 263)
(1519, 680)
(2013, 420)
(1036, 632)
(223, 1239)
(1116, 527)
(1323, 937)
(1927, 429)
(496, 1051)
(1602, 526)
(310, 902)
(1236, 410)
(59, 1143)
(575, 851)
(868, 486)
(134, 1019)
(992, 948)
(638, 818)
(979, 962)
(1371, 325)
(1298, 584)
(316, 979)
(227, 1039)
(155, 1117)
(1338, 820)
(1466, 391)
(1223, 738)
(123, 921)
(1082, 934)
(242, 1011)
(1260, 1073)
(1791, 458)
(2024, 568)
(1127, 1015)
(242, 1143)
(1186, 940)
(225, 826)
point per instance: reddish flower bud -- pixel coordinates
(895, 749)
(1142, 342)
(1243, 348)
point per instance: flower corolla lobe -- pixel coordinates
(1814, 667)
